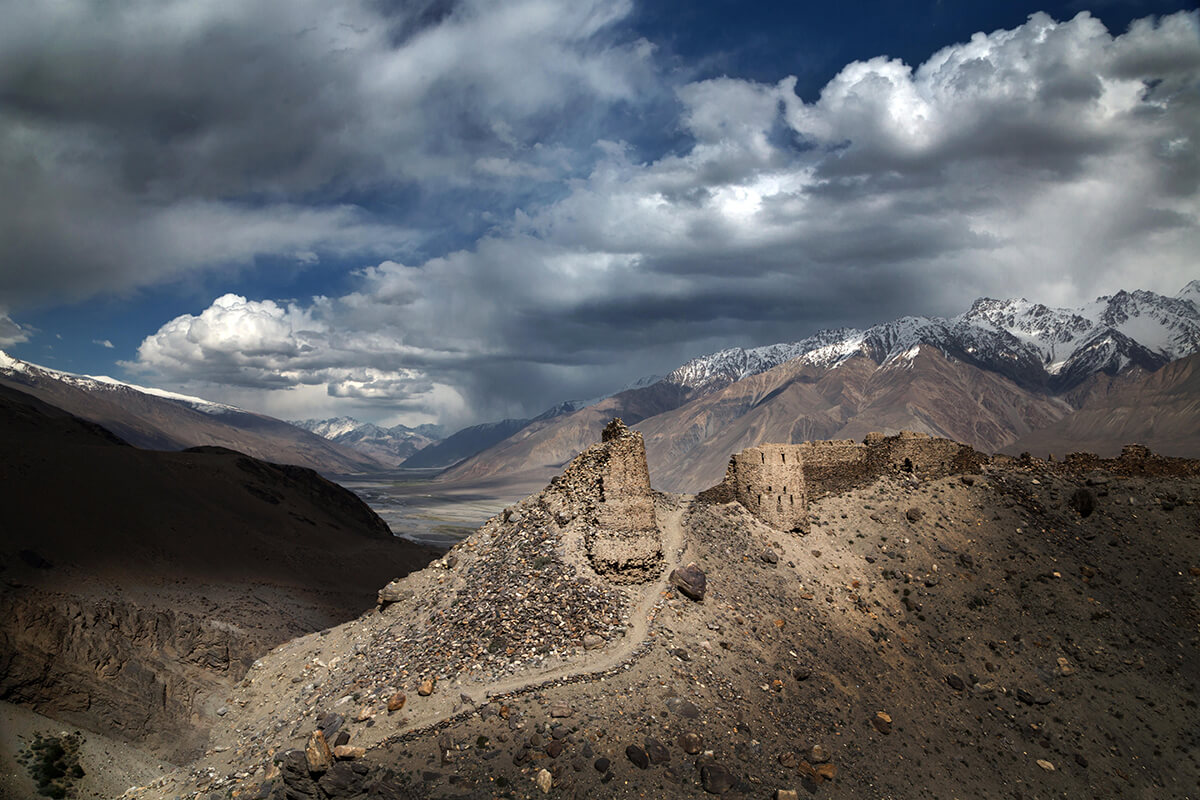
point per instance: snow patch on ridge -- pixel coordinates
(1014, 335)
(106, 383)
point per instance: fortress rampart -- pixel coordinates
(775, 481)
(606, 488)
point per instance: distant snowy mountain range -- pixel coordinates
(160, 420)
(390, 446)
(1052, 356)
(1032, 344)
(1001, 373)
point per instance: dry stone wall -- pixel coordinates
(769, 481)
(606, 493)
(775, 481)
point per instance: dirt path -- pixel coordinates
(590, 665)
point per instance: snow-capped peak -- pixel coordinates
(16, 366)
(1029, 342)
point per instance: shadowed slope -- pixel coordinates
(137, 585)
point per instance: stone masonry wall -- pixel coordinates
(774, 481)
(606, 491)
(769, 481)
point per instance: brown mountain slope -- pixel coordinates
(137, 586)
(970, 636)
(542, 448)
(1159, 409)
(689, 438)
(929, 393)
(160, 423)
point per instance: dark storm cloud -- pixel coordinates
(143, 140)
(1046, 157)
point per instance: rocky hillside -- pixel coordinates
(159, 420)
(138, 586)
(1000, 372)
(1026, 628)
(1160, 409)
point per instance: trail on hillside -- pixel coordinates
(591, 665)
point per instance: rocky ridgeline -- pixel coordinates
(987, 633)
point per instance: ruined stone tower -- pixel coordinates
(769, 481)
(775, 481)
(606, 493)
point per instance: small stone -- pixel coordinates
(914, 514)
(882, 722)
(544, 781)
(788, 759)
(690, 743)
(716, 779)
(560, 710)
(637, 756)
(690, 581)
(786, 794)
(316, 753)
(365, 713)
(592, 642)
(769, 556)
(602, 764)
(1046, 765)
(343, 737)
(392, 593)
(396, 702)
(330, 723)
(554, 749)
(954, 682)
(818, 755)
(827, 771)
(656, 751)
(345, 752)
(426, 687)
(222, 711)
(1083, 502)
(1064, 667)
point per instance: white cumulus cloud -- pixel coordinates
(1055, 156)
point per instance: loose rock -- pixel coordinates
(690, 581)
(716, 779)
(316, 753)
(544, 781)
(638, 756)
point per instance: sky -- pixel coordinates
(418, 211)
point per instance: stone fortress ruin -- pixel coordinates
(606, 490)
(604, 501)
(775, 481)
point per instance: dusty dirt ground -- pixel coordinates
(972, 636)
(111, 767)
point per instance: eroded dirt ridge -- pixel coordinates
(926, 622)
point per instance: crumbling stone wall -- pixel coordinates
(605, 495)
(769, 481)
(774, 481)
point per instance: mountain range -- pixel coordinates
(995, 377)
(389, 446)
(157, 420)
(1005, 375)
